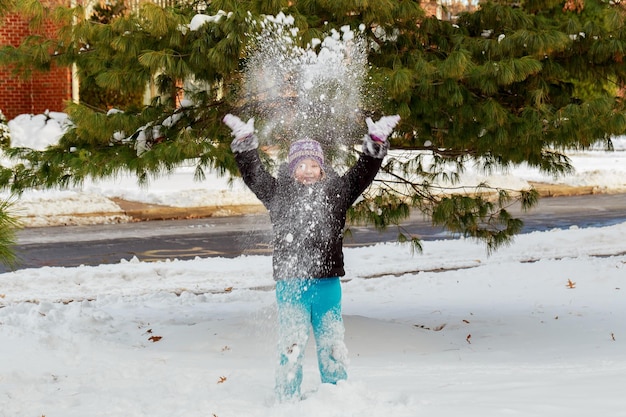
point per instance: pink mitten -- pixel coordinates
(380, 130)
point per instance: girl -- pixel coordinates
(307, 203)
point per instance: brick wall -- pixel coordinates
(44, 90)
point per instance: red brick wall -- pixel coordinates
(43, 91)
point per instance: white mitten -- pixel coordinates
(240, 130)
(380, 130)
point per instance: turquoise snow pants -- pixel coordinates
(304, 304)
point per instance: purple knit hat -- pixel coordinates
(304, 149)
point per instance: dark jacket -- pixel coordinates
(308, 220)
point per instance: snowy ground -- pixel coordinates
(536, 329)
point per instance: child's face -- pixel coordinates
(308, 171)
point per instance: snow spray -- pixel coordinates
(316, 91)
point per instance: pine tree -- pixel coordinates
(5, 133)
(6, 5)
(91, 92)
(509, 83)
(8, 223)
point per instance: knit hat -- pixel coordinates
(305, 149)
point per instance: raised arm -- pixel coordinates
(245, 147)
(375, 146)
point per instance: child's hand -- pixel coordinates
(240, 129)
(380, 130)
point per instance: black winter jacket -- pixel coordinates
(308, 220)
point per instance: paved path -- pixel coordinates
(251, 234)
